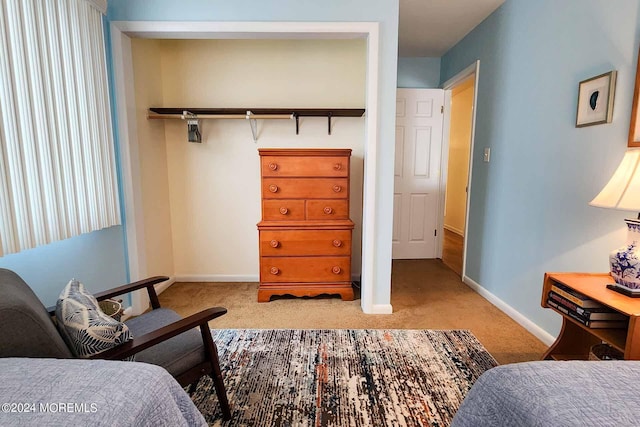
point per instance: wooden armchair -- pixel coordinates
(160, 336)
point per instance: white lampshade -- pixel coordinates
(623, 189)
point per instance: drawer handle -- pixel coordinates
(336, 270)
(337, 243)
(337, 166)
(328, 210)
(274, 243)
(284, 211)
(274, 270)
(273, 166)
(337, 188)
(273, 188)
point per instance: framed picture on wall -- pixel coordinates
(595, 100)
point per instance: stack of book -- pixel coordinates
(584, 310)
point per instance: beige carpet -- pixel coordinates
(425, 294)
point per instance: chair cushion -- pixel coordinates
(178, 354)
(87, 330)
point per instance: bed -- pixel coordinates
(56, 392)
(550, 393)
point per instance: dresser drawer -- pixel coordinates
(305, 188)
(305, 242)
(327, 209)
(283, 210)
(305, 269)
(305, 166)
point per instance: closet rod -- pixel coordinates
(155, 116)
(253, 114)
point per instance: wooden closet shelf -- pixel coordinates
(256, 113)
(299, 112)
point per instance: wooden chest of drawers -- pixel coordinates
(305, 232)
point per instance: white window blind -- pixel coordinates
(57, 164)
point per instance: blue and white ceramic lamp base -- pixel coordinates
(625, 261)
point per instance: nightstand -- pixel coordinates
(576, 339)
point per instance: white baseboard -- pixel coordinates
(217, 278)
(161, 287)
(537, 331)
(228, 278)
(454, 230)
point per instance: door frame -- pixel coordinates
(448, 86)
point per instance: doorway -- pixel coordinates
(460, 107)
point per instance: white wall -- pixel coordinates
(459, 151)
(214, 187)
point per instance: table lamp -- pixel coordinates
(623, 192)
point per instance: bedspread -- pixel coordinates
(54, 392)
(550, 393)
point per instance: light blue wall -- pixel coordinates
(96, 259)
(383, 11)
(529, 208)
(418, 73)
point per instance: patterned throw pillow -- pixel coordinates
(83, 325)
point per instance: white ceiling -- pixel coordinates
(431, 27)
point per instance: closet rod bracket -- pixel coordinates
(253, 123)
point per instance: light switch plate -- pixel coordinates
(487, 154)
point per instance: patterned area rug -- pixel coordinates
(343, 377)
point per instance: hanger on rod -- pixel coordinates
(193, 127)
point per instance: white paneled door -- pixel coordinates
(417, 172)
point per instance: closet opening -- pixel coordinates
(175, 216)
